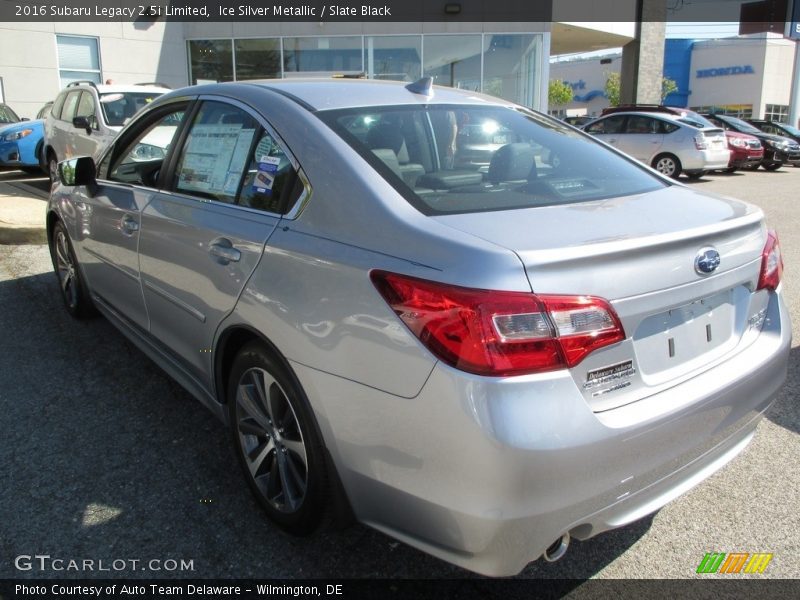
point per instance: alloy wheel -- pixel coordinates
(271, 440)
(65, 267)
(666, 166)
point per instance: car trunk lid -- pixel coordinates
(640, 253)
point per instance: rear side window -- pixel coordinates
(58, 105)
(639, 124)
(479, 158)
(271, 182)
(667, 127)
(608, 125)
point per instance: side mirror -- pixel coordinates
(24, 119)
(77, 171)
(82, 123)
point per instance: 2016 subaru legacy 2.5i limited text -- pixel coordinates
(479, 358)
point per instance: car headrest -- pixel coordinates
(512, 162)
(388, 136)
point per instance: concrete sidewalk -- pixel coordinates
(22, 212)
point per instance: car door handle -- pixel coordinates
(224, 252)
(128, 225)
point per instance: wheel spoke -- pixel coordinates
(289, 493)
(274, 400)
(61, 255)
(249, 426)
(256, 460)
(298, 476)
(298, 449)
(248, 403)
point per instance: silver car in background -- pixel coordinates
(481, 362)
(671, 144)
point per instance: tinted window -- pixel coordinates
(58, 105)
(522, 159)
(608, 125)
(70, 104)
(216, 152)
(667, 127)
(269, 183)
(86, 108)
(141, 160)
(638, 124)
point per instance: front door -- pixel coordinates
(200, 241)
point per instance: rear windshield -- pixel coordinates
(790, 129)
(739, 124)
(454, 159)
(119, 107)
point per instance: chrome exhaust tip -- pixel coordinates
(557, 549)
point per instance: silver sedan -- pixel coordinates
(481, 360)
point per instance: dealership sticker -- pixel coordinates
(265, 177)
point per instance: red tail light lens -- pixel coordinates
(500, 333)
(771, 263)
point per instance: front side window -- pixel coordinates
(140, 161)
(501, 158)
(86, 109)
(7, 115)
(70, 105)
(216, 152)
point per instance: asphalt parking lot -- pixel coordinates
(106, 458)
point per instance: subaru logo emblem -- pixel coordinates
(706, 261)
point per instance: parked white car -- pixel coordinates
(86, 116)
(671, 144)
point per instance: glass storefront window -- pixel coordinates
(510, 67)
(395, 57)
(322, 55)
(454, 60)
(777, 112)
(210, 61)
(258, 59)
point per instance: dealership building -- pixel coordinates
(507, 59)
(746, 76)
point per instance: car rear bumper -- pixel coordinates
(487, 473)
(743, 158)
(706, 160)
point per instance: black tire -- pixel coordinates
(52, 167)
(667, 164)
(773, 166)
(729, 170)
(71, 284)
(270, 421)
(694, 175)
(31, 170)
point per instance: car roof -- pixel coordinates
(120, 88)
(331, 93)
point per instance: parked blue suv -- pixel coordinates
(20, 141)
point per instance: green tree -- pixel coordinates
(667, 87)
(613, 84)
(558, 93)
(612, 88)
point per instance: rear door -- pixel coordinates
(641, 137)
(202, 239)
(608, 129)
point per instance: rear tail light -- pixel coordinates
(771, 263)
(700, 142)
(500, 333)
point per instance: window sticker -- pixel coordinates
(265, 177)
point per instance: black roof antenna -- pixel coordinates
(422, 86)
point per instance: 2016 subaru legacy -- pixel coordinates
(481, 362)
